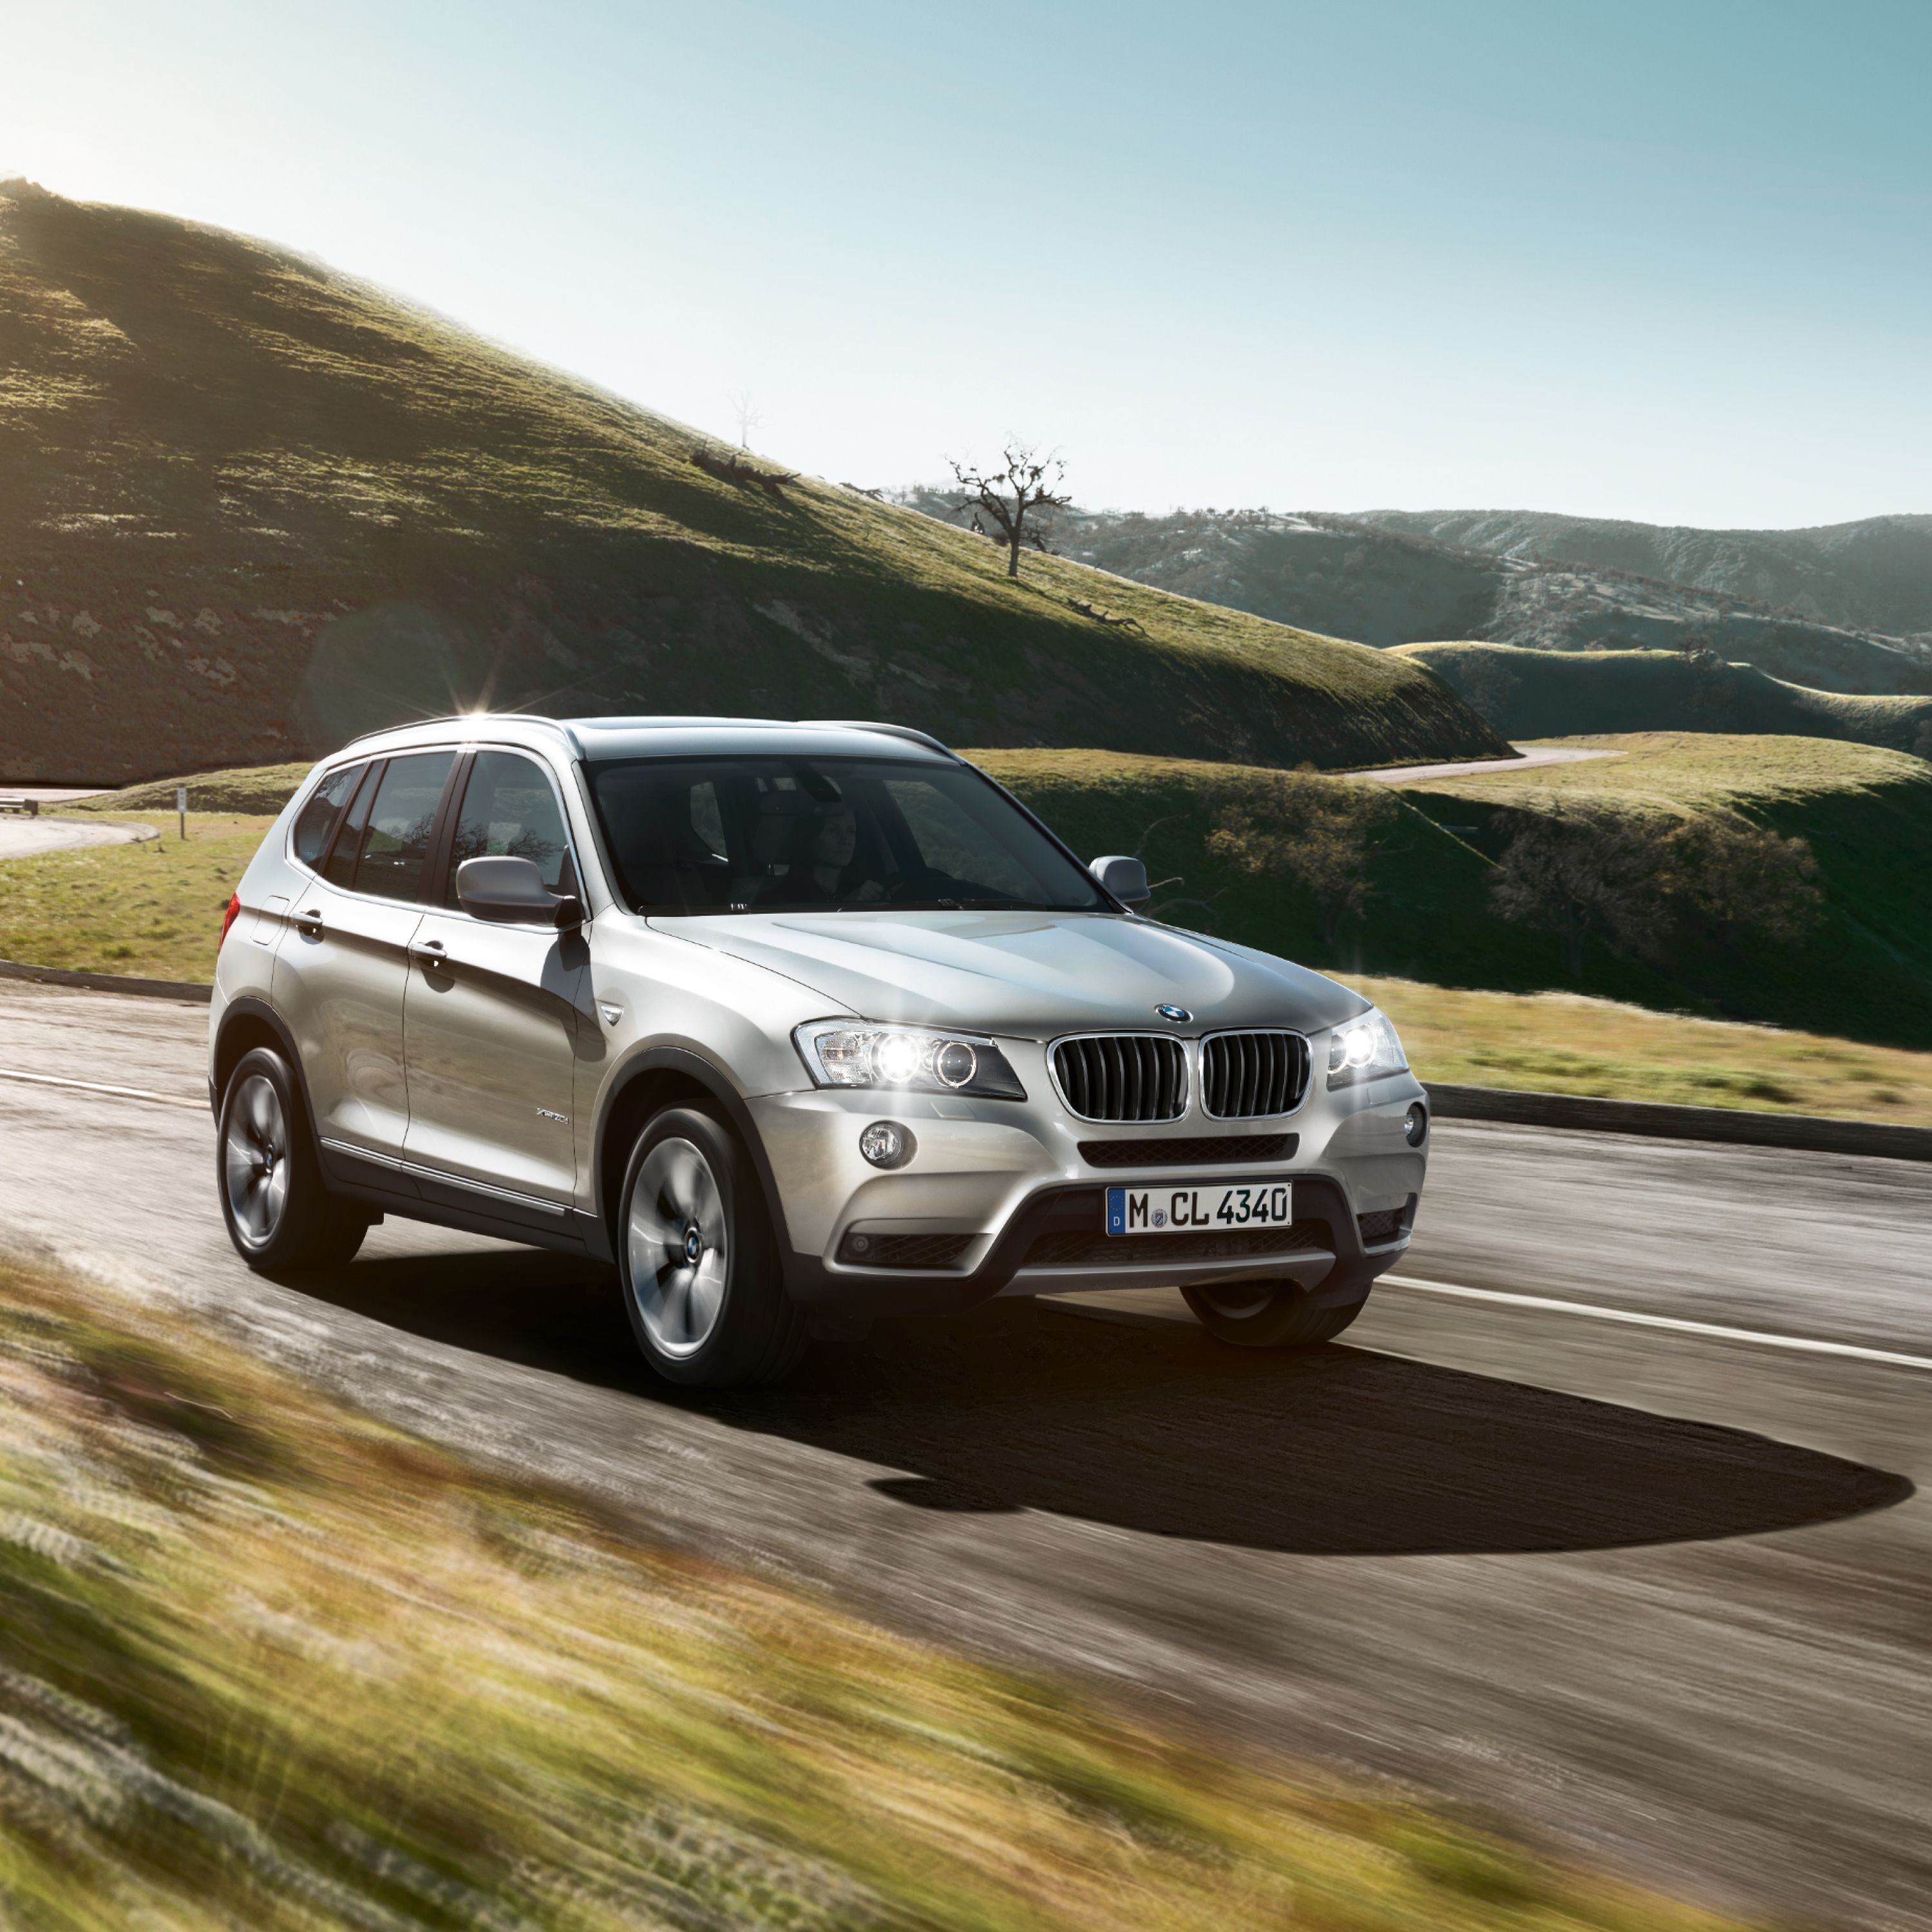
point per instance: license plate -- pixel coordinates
(1183, 1211)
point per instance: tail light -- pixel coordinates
(228, 918)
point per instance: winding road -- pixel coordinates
(28, 837)
(1657, 1595)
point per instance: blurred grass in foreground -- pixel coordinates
(1570, 1043)
(263, 1662)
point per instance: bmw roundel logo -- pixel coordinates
(1179, 1015)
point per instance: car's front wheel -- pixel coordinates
(1267, 1314)
(697, 1257)
(280, 1211)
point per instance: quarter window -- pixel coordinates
(315, 825)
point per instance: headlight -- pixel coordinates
(840, 1053)
(1364, 1049)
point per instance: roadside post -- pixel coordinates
(181, 810)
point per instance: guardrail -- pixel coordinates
(1812, 1132)
(191, 990)
(14, 801)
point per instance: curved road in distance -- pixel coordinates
(1657, 1598)
(28, 837)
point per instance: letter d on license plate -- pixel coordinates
(1182, 1211)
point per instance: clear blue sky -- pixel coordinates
(1667, 261)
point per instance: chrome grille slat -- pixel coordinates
(1122, 1076)
(1248, 1076)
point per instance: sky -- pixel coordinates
(1668, 261)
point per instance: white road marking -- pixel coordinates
(1804, 1344)
(98, 1087)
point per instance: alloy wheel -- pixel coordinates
(677, 1245)
(255, 1160)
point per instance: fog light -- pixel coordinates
(1415, 1128)
(887, 1144)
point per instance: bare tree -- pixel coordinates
(748, 416)
(1314, 831)
(1025, 487)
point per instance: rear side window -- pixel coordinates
(394, 847)
(510, 811)
(323, 813)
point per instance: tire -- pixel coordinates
(697, 1259)
(279, 1212)
(1268, 1314)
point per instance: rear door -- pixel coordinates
(491, 1021)
(341, 973)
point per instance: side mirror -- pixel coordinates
(1126, 878)
(512, 891)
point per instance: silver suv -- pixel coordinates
(795, 1024)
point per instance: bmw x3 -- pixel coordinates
(794, 1025)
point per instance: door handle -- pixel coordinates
(309, 924)
(430, 953)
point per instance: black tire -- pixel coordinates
(697, 1260)
(1268, 1314)
(279, 1212)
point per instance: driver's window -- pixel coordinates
(950, 842)
(510, 811)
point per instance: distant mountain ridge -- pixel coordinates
(1874, 574)
(1376, 579)
(250, 507)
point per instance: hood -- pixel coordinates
(1025, 975)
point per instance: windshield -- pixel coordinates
(732, 835)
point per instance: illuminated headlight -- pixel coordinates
(837, 1053)
(1364, 1049)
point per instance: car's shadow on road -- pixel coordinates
(1157, 1429)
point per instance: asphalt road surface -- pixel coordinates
(1528, 757)
(1659, 1598)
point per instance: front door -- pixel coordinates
(491, 1019)
(341, 971)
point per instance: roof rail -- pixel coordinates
(891, 730)
(473, 717)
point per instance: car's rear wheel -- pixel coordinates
(1267, 1314)
(279, 1212)
(698, 1263)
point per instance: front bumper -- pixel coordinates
(1007, 1198)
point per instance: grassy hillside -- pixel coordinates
(1355, 577)
(1572, 1043)
(1875, 574)
(249, 507)
(1864, 973)
(1527, 694)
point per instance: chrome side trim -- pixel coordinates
(417, 1172)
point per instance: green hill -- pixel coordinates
(1865, 972)
(1529, 694)
(249, 507)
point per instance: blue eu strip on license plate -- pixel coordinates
(1182, 1211)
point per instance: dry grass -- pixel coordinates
(1568, 1043)
(263, 1662)
(151, 910)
